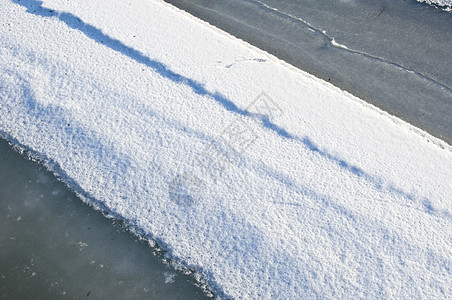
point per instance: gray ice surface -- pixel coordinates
(399, 55)
(53, 246)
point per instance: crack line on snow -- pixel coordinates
(238, 61)
(336, 45)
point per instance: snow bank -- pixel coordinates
(268, 181)
(446, 4)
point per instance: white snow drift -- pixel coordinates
(268, 181)
(446, 4)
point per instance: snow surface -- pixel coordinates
(447, 4)
(269, 182)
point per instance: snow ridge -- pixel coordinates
(267, 181)
(444, 4)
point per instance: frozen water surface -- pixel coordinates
(53, 245)
(393, 54)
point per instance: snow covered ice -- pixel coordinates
(269, 182)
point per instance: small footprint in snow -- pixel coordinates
(237, 61)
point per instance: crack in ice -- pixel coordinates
(331, 40)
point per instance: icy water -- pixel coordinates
(54, 246)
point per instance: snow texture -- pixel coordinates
(446, 4)
(269, 182)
